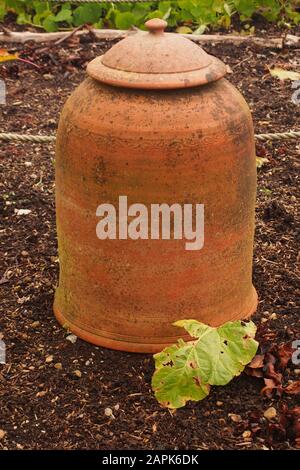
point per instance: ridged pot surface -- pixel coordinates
(190, 146)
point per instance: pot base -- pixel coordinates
(133, 346)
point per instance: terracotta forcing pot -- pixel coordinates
(155, 122)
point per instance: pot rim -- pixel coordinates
(120, 78)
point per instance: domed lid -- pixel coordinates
(156, 60)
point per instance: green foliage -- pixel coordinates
(195, 14)
(186, 370)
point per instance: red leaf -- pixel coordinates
(284, 353)
(267, 390)
(254, 372)
(293, 388)
(257, 362)
(270, 371)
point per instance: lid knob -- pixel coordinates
(156, 25)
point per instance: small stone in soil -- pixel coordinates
(235, 418)
(72, 338)
(108, 412)
(22, 211)
(270, 413)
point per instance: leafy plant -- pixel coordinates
(5, 56)
(260, 161)
(186, 370)
(193, 15)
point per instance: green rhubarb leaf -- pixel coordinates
(175, 380)
(125, 20)
(185, 371)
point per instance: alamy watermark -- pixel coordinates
(296, 94)
(296, 353)
(2, 92)
(161, 221)
(2, 352)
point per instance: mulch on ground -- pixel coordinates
(45, 402)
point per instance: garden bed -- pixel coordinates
(54, 393)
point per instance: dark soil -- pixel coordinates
(44, 405)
